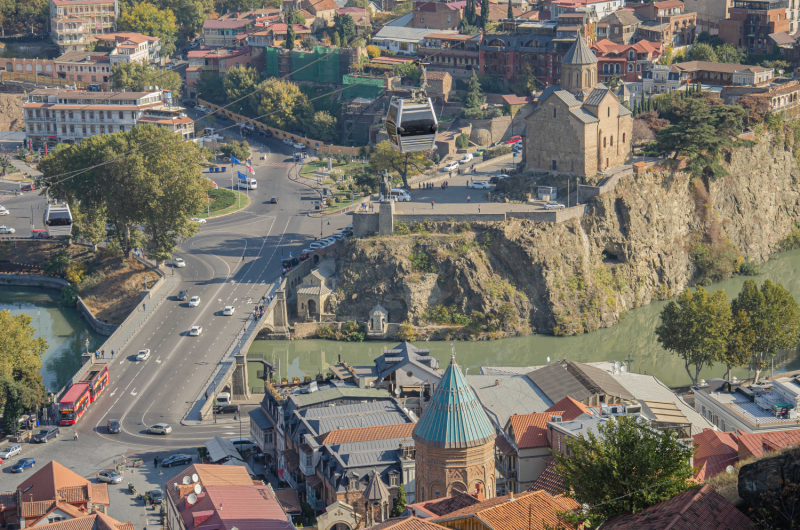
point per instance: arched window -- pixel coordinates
(623, 138)
(578, 78)
(604, 141)
(587, 78)
(605, 68)
(612, 140)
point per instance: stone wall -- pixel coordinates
(28, 280)
(364, 224)
(101, 328)
(499, 128)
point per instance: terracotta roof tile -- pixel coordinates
(571, 408)
(245, 507)
(209, 475)
(75, 493)
(49, 479)
(699, 508)
(715, 451)
(549, 481)
(407, 523)
(289, 499)
(36, 508)
(530, 430)
(457, 501)
(69, 509)
(529, 510)
(750, 445)
(365, 434)
(324, 5)
(100, 493)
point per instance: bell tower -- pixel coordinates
(579, 68)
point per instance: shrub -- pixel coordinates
(714, 262)
(494, 152)
(462, 141)
(792, 241)
(58, 264)
(69, 295)
(749, 268)
(407, 332)
(421, 261)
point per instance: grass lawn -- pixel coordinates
(347, 168)
(223, 201)
(344, 204)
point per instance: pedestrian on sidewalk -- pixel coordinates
(75, 437)
(144, 307)
(479, 208)
(206, 394)
(432, 204)
(112, 355)
(468, 198)
(103, 353)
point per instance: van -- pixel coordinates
(400, 195)
(223, 398)
(249, 184)
(243, 444)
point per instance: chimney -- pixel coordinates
(511, 496)
(479, 491)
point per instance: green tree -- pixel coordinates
(33, 13)
(462, 141)
(485, 7)
(409, 70)
(189, 15)
(695, 327)
(240, 150)
(147, 19)
(399, 502)
(345, 26)
(525, 82)
(337, 40)
(357, 3)
(298, 18)
(772, 321)
(510, 10)
(21, 352)
(136, 76)
(386, 158)
(403, 8)
(728, 53)
(210, 87)
(232, 6)
(8, 10)
(58, 263)
(287, 106)
(239, 83)
(323, 126)
(625, 467)
(740, 343)
(90, 224)
(13, 409)
(703, 52)
(290, 36)
(475, 96)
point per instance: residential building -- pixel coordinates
(663, 78)
(278, 33)
(454, 53)
(441, 507)
(537, 44)
(763, 408)
(454, 442)
(127, 47)
(709, 14)
(324, 9)
(580, 381)
(217, 32)
(214, 60)
(619, 27)
(95, 521)
(404, 41)
(85, 68)
(533, 510)
(225, 497)
(360, 15)
(437, 15)
(697, 508)
(600, 8)
(625, 62)
(667, 22)
(73, 23)
(493, 390)
(68, 116)
(53, 493)
(750, 23)
(782, 97)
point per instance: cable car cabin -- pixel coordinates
(412, 125)
(58, 220)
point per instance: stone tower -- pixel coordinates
(579, 69)
(454, 442)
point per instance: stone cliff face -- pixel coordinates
(630, 248)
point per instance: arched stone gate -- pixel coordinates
(338, 513)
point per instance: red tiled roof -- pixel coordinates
(324, 5)
(750, 445)
(364, 434)
(282, 28)
(457, 501)
(96, 521)
(214, 23)
(511, 99)
(69, 509)
(668, 3)
(715, 451)
(572, 409)
(209, 475)
(76, 493)
(289, 499)
(702, 508)
(100, 493)
(530, 430)
(245, 507)
(549, 480)
(407, 523)
(52, 478)
(529, 510)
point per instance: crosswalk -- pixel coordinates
(276, 164)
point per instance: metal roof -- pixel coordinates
(596, 96)
(557, 383)
(567, 98)
(584, 115)
(579, 53)
(454, 418)
(623, 110)
(305, 400)
(220, 448)
(259, 417)
(506, 394)
(405, 34)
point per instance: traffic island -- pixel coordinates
(224, 202)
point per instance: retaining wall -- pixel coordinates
(28, 280)
(101, 328)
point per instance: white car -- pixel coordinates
(517, 146)
(288, 141)
(6, 230)
(452, 166)
(466, 158)
(315, 245)
(159, 428)
(553, 206)
(199, 220)
(10, 450)
(299, 146)
(480, 186)
(201, 108)
(143, 355)
(179, 262)
(194, 302)
(110, 476)
(503, 176)
(228, 311)
(4, 211)
(195, 331)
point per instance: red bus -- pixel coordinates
(97, 379)
(74, 403)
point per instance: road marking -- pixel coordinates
(133, 392)
(112, 393)
(158, 360)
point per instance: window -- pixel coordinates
(604, 141)
(554, 165)
(623, 138)
(393, 478)
(120, 114)
(612, 140)
(555, 111)
(608, 111)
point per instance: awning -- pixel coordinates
(221, 449)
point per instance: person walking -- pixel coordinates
(479, 208)
(432, 205)
(468, 198)
(112, 355)
(144, 307)
(75, 437)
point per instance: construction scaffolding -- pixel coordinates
(318, 66)
(367, 87)
(272, 61)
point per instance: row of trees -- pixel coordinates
(32, 16)
(137, 76)
(146, 183)
(704, 328)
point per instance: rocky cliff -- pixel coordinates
(656, 234)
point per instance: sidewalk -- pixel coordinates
(25, 168)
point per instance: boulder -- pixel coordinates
(767, 476)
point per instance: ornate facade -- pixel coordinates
(454, 442)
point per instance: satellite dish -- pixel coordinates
(396, 390)
(729, 469)
(195, 478)
(616, 365)
(198, 488)
(191, 499)
(623, 368)
(186, 480)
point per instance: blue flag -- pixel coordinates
(242, 176)
(235, 160)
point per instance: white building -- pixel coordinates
(128, 47)
(73, 23)
(68, 116)
(404, 41)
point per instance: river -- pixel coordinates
(63, 328)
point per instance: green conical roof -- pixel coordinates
(454, 418)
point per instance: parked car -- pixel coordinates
(228, 311)
(273, 200)
(110, 476)
(46, 434)
(198, 220)
(156, 497)
(226, 409)
(514, 139)
(243, 444)
(201, 108)
(480, 186)
(195, 331)
(113, 427)
(466, 158)
(304, 255)
(143, 355)
(194, 302)
(23, 464)
(299, 146)
(288, 141)
(182, 295)
(176, 460)
(518, 146)
(6, 230)
(315, 245)
(452, 166)
(159, 428)
(553, 206)
(4, 211)
(28, 187)
(11, 450)
(179, 262)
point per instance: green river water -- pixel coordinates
(633, 336)
(64, 328)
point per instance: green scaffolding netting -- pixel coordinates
(367, 88)
(316, 66)
(272, 61)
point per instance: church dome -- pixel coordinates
(579, 53)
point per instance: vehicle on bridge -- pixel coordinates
(74, 403)
(143, 355)
(194, 302)
(97, 379)
(195, 331)
(228, 311)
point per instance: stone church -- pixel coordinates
(580, 126)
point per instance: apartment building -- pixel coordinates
(73, 23)
(216, 60)
(749, 24)
(68, 116)
(223, 32)
(663, 78)
(127, 47)
(455, 53)
(625, 61)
